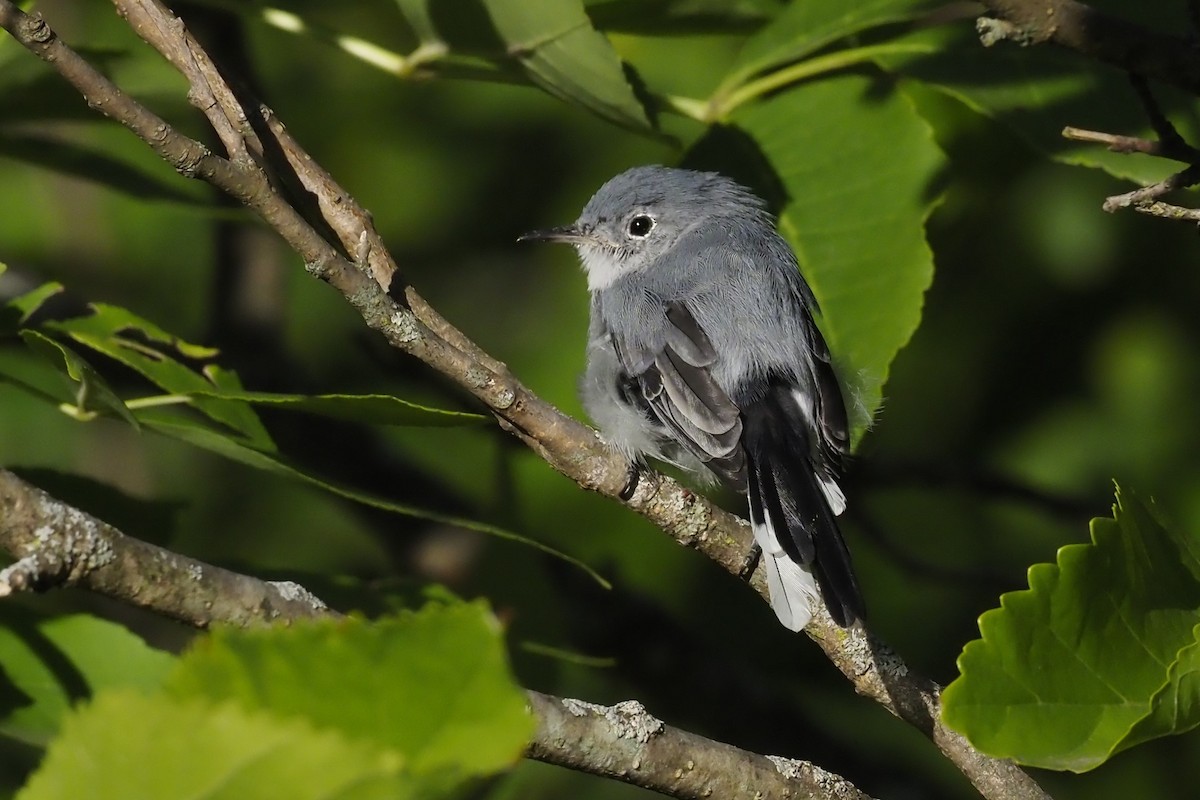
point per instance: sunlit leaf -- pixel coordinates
(17, 311)
(151, 351)
(109, 320)
(432, 685)
(92, 392)
(805, 27)
(129, 746)
(48, 664)
(561, 52)
(1099, 654)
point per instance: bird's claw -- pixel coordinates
(633, 476)
(750, 562)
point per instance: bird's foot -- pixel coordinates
(751, 561)
(633, 476)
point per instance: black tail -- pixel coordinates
(785, 466)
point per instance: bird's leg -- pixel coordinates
(633, 476)
(752, 557)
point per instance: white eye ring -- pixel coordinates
(641, 225)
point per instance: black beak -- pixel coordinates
(564, 233)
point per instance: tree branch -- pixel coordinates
(1141, 52)
(59, 545)
(410, 325)
(626, 743)
(1169, 144)
(1076, 26)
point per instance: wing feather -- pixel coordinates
(830, 408)
(678, 386)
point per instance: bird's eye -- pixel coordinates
(640, 226)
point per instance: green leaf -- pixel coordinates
(51, 663)
(433, 686)
(148, 349)
(93, 391)
(107, 321)
(419, 18)
(376, 409)
(16, 312)
(1099, 654)
(244, 452)
(561, 52)
(805, 27)
(854, 212)
(34, 375)
(1175, 708)
(128, 746)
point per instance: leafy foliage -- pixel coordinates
(432, 685)
(227, 753)
(413, 706)
(159, 357)
(832, 111)
(802, 29)
(1098, 655)
(38, 688)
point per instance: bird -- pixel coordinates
(704, 352)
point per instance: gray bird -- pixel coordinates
(703, 353)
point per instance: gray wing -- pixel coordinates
(679, 389)
(614, 401)
(830, 407)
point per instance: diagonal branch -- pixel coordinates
(642, 750)
(408, 324)
(56, 545)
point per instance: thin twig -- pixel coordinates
(1115, 142)
(1169, 144)
(1167, 211)
(1170, 139)
(1140, 197)
(1143, 54)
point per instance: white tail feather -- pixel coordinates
(766, 539)
(833, 494)
(793, 589)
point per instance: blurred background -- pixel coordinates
(1057, 353)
